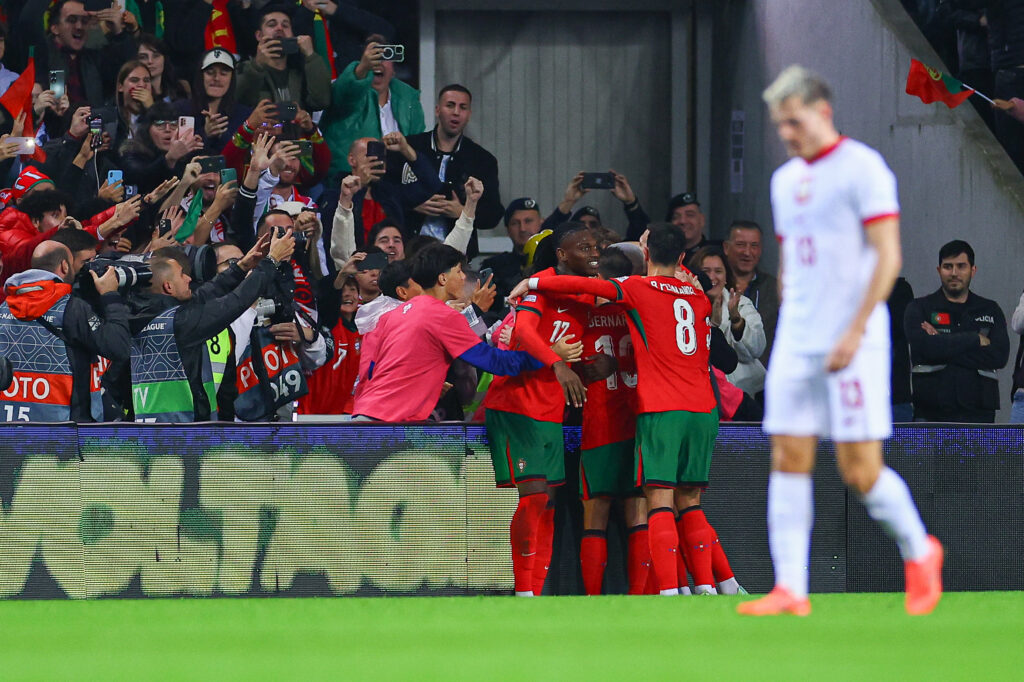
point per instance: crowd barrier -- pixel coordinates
(368, 509)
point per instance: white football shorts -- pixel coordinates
(803, 399)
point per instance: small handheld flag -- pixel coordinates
(934, 86)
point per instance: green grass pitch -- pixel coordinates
(976, 636)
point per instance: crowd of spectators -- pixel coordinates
(219, 202)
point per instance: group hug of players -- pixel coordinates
(649, 421)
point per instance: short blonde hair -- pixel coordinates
(797, 81)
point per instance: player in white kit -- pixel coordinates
(837, 218)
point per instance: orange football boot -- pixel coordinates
(778, 601)
(924, 580)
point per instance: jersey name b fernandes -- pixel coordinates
(671, 330)
(609, 415)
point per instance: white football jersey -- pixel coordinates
(821, 209)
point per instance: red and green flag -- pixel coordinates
(322, 42)
(219, 31)
(934, 86)
(18, 99)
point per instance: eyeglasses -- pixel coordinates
(165, 125)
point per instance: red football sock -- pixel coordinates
(652, 579)
(664, 541)
(681, 570)
(545, 533)
(719, 562)
(698, 538)
(638, 561)
(593, 559)
(523, 532)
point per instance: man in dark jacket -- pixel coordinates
(957, 342)
(172, 377)
(89, 74)
(55, 340)
(455, 158)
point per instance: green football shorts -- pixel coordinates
(674, 448)
(524, 449)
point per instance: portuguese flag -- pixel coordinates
(933, 86)
(322, 42)
(219, 32)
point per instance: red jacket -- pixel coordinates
(19, 238)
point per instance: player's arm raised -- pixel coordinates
(569, 284)
(884, 235)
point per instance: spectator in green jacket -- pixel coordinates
(302, 77)
(368, 101)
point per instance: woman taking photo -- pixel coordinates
(156, 153)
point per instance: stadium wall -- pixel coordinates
(955, 180)
(373, 510)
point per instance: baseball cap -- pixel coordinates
(520, 204)
(587, 211)
(218, 55)
(680, 200)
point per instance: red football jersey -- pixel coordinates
(609, 415)
(671, 329)
(330, 386)
(541, 320)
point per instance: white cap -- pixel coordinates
(292, 208)
(218, 55)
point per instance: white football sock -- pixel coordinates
(669, 593)
(729, 586)
(525, 593)
(889, 502)
(705, 589)
(685, 591)
(790, 518)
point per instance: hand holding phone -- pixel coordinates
(57, 83)
(186, 127)
(373, 261)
